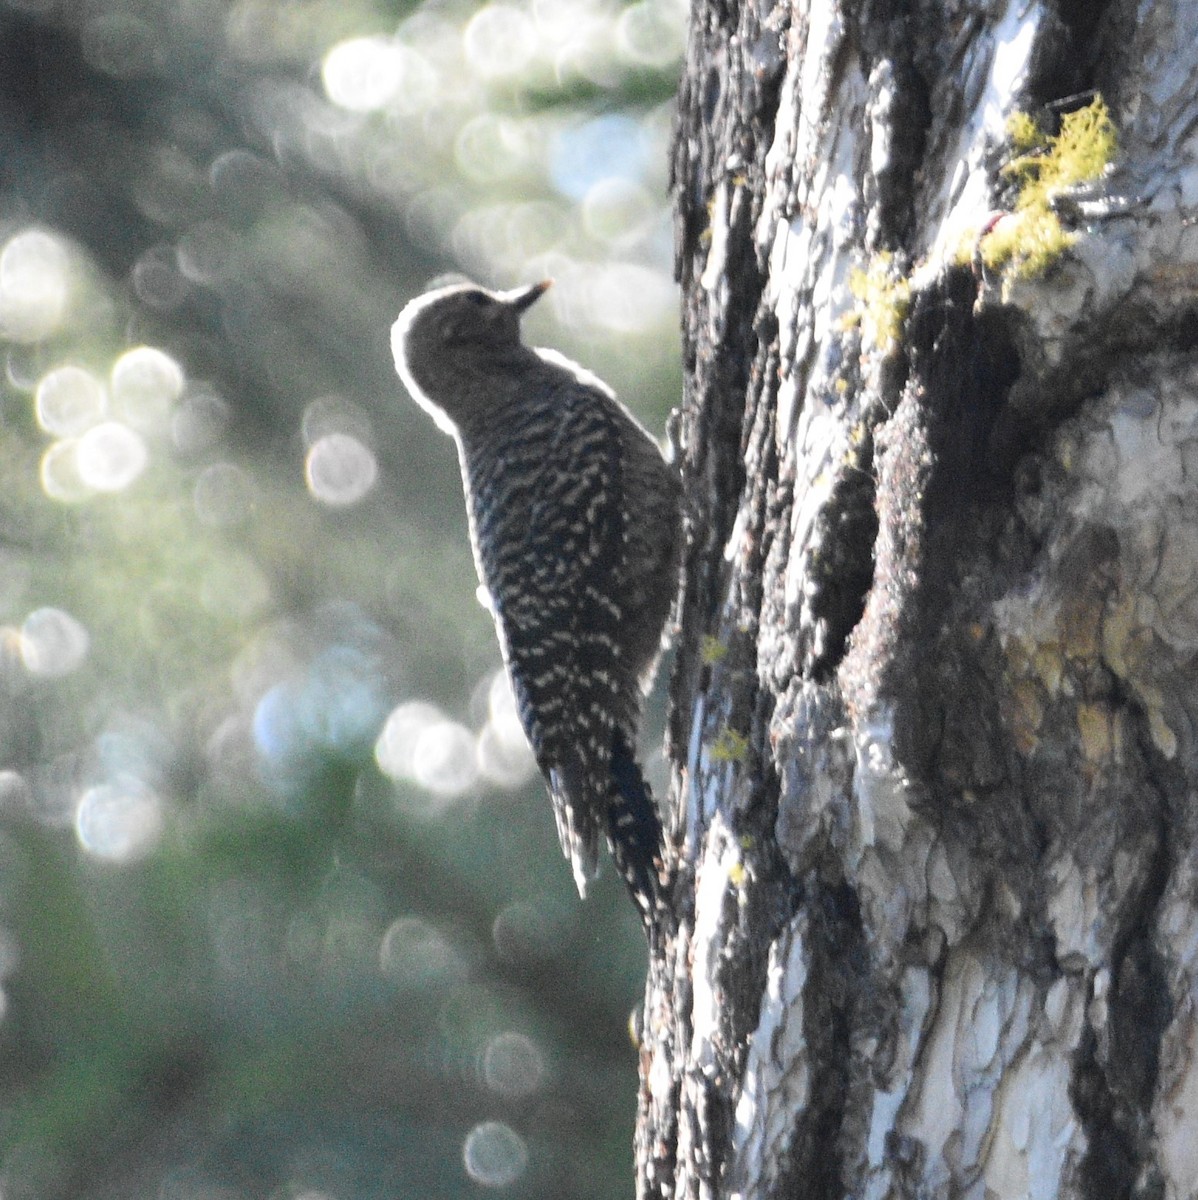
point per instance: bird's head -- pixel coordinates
(445, 341)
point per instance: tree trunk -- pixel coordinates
(934, 709)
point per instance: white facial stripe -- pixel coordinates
(399, 333)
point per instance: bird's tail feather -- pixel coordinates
(577, 832)
(634, 832)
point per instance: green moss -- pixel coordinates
(1026, 242)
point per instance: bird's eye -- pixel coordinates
(478, 299)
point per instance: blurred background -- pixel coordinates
(282, 911)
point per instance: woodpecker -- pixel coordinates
(574, 519)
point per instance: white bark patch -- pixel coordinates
(890, 847)
(1175, 1111)
(1139, 249)
(1176, 1114)
(916, 993)
(1074, 913)
(986, 1059)
(1036, 1133)
(1134, 457)
(946, 895)
(777, 1072)
(717, 252)
(822, 442)
(721, 862)
(994, 74)
(1127, 464)
(879, 788)
(808, 224)
(696, 813)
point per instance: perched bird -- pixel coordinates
(574, 519)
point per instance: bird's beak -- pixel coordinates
(523, 299)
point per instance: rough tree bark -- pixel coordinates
(933, 833)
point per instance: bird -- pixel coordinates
(574, 520)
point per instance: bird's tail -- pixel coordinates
(635, 835)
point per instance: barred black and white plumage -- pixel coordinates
(574, 520)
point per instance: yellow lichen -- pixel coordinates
(729, 746)
(883, 299)
(711, 650)
(1023, 133)
(1083, 149)
(1029, 239)
(1026, 243)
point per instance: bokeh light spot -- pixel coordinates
(628, 298)
(513, 1066)
(340, 470)
(223, 495)
(145, 385)
(502, 763)
(605, 146)
(207, 253)
(119, 821)
(16, 796)
(69, 400)
(499, 40)
(245, 184)
(415, 954)
(334, 704)
(504, 754)
(53, 643)
(491, 146)
(35, 285)
(419, 744)
(24, 366)
(157, 280)
(651, 33)
(363, 73)
(344, 682)
(59, 473)
(118, 44)
(281, 725)
(110, 456)
(578, 34)
(200, 420)
(494, 1154)
(394, 750)
(617, 209)
(444, 759)
(525, 931)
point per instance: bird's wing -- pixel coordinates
(559, 623)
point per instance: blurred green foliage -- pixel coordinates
(282, 912)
